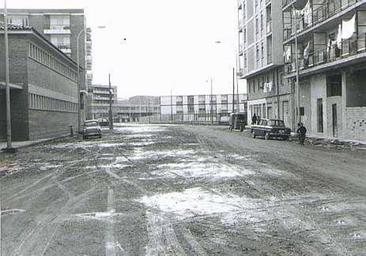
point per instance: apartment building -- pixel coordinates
(188, 108)
(261, 59)
(99, 96)
(61, 27)
(43, 85)
(331, 58)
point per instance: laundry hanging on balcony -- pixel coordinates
(287, 54)
(339, 37)
(306, 51)
(307, 14)
(267, 87)
(349, 27)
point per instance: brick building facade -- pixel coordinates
(43, 81)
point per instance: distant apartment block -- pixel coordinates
(100, 97)
(261, 59)
(332, 65)
(187, 108)
(43, 85)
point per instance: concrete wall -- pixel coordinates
(318, 91)
(355, 123)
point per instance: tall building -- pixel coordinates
(43, 85)
(61, 27)
(261, 59)
(100, 100)
(331, 56)
(188, 108)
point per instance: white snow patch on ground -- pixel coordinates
(140, 154)
(200, 169)
(196, 201)
(140, 129)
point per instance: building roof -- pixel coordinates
(43, 11)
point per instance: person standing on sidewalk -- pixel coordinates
(254, 119)
(301, 131)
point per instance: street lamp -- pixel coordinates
(78, 80)
(9, 147)
(298, 4)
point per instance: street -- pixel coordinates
(183, 190)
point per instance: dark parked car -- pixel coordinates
(92, 128)
(238, 121)
(271, 128)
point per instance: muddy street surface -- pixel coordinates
(183, 190)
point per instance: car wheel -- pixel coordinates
(253, 135)
(266, 136)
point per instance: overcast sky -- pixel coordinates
(170, 43)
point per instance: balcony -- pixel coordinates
(319, 13)
(348, 51)
(58, 30)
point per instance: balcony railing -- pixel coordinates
(319, 13)
(349, 47)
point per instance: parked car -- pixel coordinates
(238, 121)
(271, 128)
(103, 122)
(92, 128)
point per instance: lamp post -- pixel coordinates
(298, 4)
(78, 80)
(9, 148)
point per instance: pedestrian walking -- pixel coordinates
(254, 119)
(301, 131)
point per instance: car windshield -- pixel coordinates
(278, 123)
(89, 124)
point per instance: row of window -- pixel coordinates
(51, 61)
(258, 84)
(39, 102)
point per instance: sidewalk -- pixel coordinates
(328, 142)
(28, 143)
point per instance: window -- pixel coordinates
(60, 22)
(302, 111)
(334, 85)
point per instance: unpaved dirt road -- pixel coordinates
(183, 190)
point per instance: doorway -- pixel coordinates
(334, 120)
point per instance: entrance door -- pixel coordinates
(334, 120)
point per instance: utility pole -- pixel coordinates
(171, 106)
(9, 148)
(211, 104)
(233, 90)
(237, 91)
(110, 104)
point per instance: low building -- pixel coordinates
(137, 109)
(203, 108)
(43, 81)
